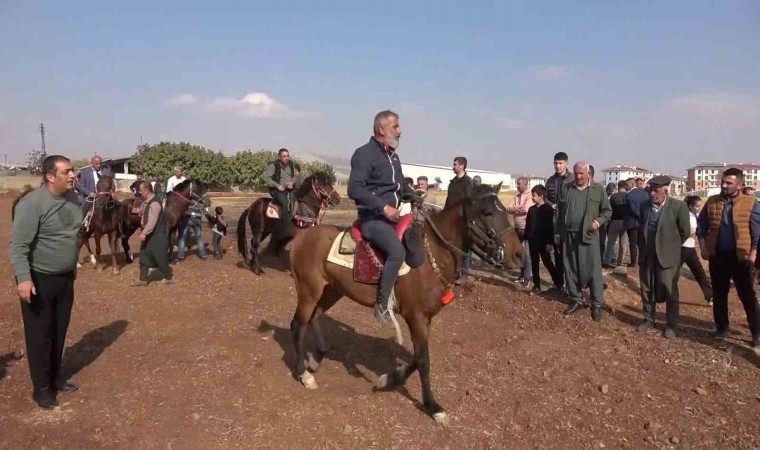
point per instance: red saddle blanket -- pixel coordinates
(368, 259)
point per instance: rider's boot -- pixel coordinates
(384, 310)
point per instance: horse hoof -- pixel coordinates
(79, 266)
(441, 418)
(382, 382)
(98, 268)
(312, 364)
(308, 380)
(93, 261)
(116, 271)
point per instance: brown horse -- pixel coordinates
(479, 223)
(313, 196)
(107, 217)
(177, 202)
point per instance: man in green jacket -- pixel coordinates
(583, 209)
(664, 228)
(44, 251)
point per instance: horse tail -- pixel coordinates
(242, 244)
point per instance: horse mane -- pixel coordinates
(481, 191)
(185, 184)
(322, 179)
(182, 186)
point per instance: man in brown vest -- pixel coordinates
(729, 229)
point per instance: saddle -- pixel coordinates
(273, 210)
(368, 259)
(137, 207)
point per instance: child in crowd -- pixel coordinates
(539, 232)
(219, 230)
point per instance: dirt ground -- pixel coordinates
(207, 363)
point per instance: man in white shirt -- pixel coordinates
(173, 181)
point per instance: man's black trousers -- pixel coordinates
(723, 268)
(46, 320)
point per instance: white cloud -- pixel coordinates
(741, 108)
(552, 72)
(182, 100)
(510, 123)
(256, 104)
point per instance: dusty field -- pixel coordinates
(207, 363)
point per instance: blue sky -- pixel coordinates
(507, 84)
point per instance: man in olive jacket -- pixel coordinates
(583, 209)
(664, 227)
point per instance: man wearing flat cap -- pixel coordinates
(663, 229)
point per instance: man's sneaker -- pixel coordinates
(756, 342)
(45, 398)
(165, 281)
(139, 283)
(596, 313)
(645, 326)
(535, 291)
(383, 314)
(670, 333)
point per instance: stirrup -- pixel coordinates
(390, 312)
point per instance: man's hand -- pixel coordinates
(705, 254)
(594, 225)
(391, 213)
(141, 238)
(510, 209)
(289, 185)
(280, 187)
(25, 291)
(554, 206)
(557, 240)
(752, 257)
(91, 195)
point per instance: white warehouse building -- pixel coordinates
(441, 175)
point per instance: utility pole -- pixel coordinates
(42, 134)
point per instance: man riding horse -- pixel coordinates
(282, 176)
(377, 184)
(88, 182)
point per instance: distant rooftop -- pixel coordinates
(626, 167)
(719, 165)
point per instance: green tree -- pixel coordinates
(197, 162)
(34, 162)
(248, 168)
(313, 167)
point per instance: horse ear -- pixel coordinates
(497, 188)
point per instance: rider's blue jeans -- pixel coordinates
(381, 232)
(196, 227)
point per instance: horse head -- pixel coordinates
(104, 190)
(489, 232)
(191, 189)
(320, 186)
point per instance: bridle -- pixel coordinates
(191, 196)
(491, 252)
(321, 194)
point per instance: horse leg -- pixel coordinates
(125, 244)
(307, 301)
(329, 297)
(113, 240)
(98, 236)
(255, 242)
(420, 330)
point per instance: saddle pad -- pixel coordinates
(273, 212)
(347, 261)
